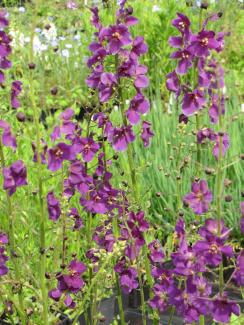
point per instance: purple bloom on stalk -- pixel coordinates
(94, 79)
(205, 133)
(156, 254)
(217, 108)
(199, 198)
(160, 299)
(239, 271)
(14, 176)
(3, 19)
(212, 228)
(78, 221)
(58, 154)
(185, 60)
(141, 81)
(182, 23)
(146, 133)
(117, 36)
(128, 280)
(225, 145)
(212, 250)
(8, 139)
(106, 86)
(3, 259)
(53, 206)
(138, 105)
(98, 56)
(193, 102)
(15, 91)
(176, 41)
(95, 20)
(173, 83)
(202, 43)
(222, 308)
(139, 47)
(121, 137)
(88, 148)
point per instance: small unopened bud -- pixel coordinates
(115, 157)
(21, 117)
(228, 198)
(33, 299)
(204, 4)
(183, 119)
(189, 3)
(181, 214)
(54, 91)
(124, 183)
(178, 178)
(32, 65)
(74, 255)
(42, 251)
(197, 179)
(47, 26)
(227, 182)
(47, 275)
(220, 14)
(65, 238)
(158, 194)
(221, 133)
(242, 156)
(63, 266)
(209, 171)
(29, 311)
(51, 248)
(102, 318)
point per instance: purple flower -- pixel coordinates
(225, 145)
(53, 205)
(176, 41)
(58, 154)
(182, 23)
(185, 60)
(139, 47)
(239, 271)
(199, 198)
(15, 91)
(205, 133)
(212, 250)
(202, 43)
(193, 102)
(98, 56)
(117, 36)
(173, 82)
(94, 79)
(156, 254)
(88, 148)
(106, 86)
(71, 5)
(141, 81)
(8, 139)
(160, 299)
(146, 133)
(212, 228)
(128, 280)
(78, 221)
(138, 105)
(14, 176)
(3, 257)
(121, 137)
(222, 308)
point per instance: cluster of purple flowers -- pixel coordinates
(184, 285)
(116, 41)
(194, 52)
(15, 91)
(69, 283)
(3, 256)
(5, 48)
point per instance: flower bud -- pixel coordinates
(32, 65)
(54, 91)
(242, 156)
(242, 194)
(228, 198)
(47, 275)
(204, 4)
(21, 117)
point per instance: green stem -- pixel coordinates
(172, 311)
(120, 302)
(42, 217)
(12, 246)
(202, 320)
(143, 307)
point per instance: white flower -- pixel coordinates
(65, 53)
(61, 38)
(68, 46)
(76, 37)
(242, 107)
(156, 8)
(27, 39)
(38, 30)
(21, 9)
